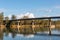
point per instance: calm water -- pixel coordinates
(14, 36)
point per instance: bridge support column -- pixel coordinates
(18, 26)
(49, 26)
(33, 26)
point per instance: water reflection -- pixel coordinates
(10, 34)
(29, 36)
(17, 36)
(13, 35)
(1, 35)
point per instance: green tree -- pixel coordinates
(13, 17)
(6, 18)
(1, 17)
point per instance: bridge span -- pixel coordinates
(33, 22)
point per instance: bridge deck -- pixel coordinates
(38, 18)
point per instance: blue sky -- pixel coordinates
(39, 8)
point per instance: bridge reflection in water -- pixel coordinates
(17, 36)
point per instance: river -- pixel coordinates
(14, 36)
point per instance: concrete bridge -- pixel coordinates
(33, 22)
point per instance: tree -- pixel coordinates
(6, 18)
(1, 17)
(13, 17)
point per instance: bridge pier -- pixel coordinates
(49, 26)
(18, 26)
(33, 26)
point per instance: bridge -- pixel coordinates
(55, 17)
(33, 22)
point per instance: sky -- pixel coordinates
(39, 8)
